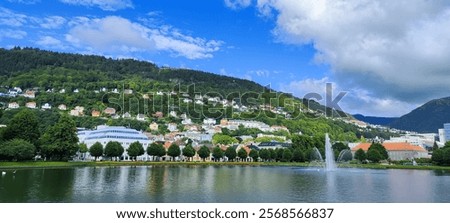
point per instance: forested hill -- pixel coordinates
(29, 63)
(427, 118)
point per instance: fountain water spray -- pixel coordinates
(330, 163)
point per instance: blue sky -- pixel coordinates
(388, 57)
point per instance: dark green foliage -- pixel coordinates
(374, 155)
(302, 142)
(360, 155)
(230, 153)
(156, 149)
(345, 155)
(339, 146)
(264, 154)
(217, 154)
(173, 151)
(204, 152)
(135, 149)
(442, 156)
(96, 150)
(60, 141)
(189, 151)
(17, 149)
(381, 150)
(82, 148)
(273, 154)
(287, 155)
(254, 155)
(24, 125)
(298, 156)
(242, 154)
(113, 149)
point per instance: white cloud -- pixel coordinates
(49, 42)
(10, 18)
(355, 100)
(118, 35)
(399, 50)
(107, 5)
(53, 22)
(237, 4)
(27, 2)
(12, 34)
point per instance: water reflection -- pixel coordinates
(222, 184)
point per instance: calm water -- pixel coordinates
(223, 184)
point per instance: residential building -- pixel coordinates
(140, 117)
(173, 114)
(158, 115)
(126, 115)
(95, 113)
(46, 106)
(76, 91)
(186, 121)
(104, 134)
(31, 104)
(397, 150)
(29, 94)
(153, 126)
(62, 107)
(75, 112)
(209, 121)
(172, 127)
(109, 111)
(127, 91)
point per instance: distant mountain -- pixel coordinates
(375, 120)
(427, 118)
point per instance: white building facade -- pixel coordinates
(104, 134)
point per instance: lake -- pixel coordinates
(222, 184)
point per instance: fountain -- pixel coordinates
(316, 159)
(330, 164)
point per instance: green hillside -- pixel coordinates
(88, 81)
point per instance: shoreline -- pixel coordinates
(51, 164)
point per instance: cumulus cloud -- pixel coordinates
(107, 5)
(12, 34)
(355, 100)
(10, 18)
(49, 42)
(237, 4)
(396, 50)
(114, 34)
(53, 22)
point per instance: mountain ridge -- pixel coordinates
(426, 118)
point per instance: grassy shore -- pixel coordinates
(42, 164)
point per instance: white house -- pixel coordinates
(46, 106)
(31, 104)
(13, 105)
